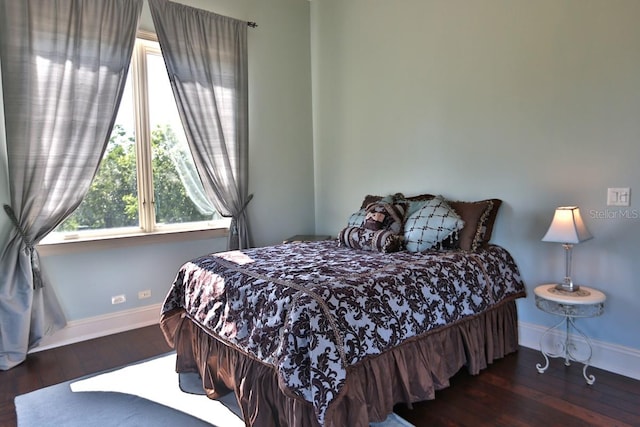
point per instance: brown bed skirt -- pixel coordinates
(409, 373)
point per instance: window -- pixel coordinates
(147, 181)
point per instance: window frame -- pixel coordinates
(147, 230)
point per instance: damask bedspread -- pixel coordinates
(312, 310)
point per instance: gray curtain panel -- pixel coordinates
(206, 58)
(64, 65)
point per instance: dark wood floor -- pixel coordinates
(508, 393)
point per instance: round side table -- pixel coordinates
(585, 302)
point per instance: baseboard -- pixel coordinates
(100, 326)
(610, 357)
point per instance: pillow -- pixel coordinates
(416, 202)
(368, 240)
(357, 218)
(391, 198)
(430, 225)
(368, 199)
(385, 216)
(479, 218)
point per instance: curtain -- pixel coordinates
(206, 58)
(64, 65)
(182, 160)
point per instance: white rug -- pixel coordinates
(157, 381)
(127, 396)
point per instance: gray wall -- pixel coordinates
(281, 168)
(533, 102)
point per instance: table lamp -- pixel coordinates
(567, 228)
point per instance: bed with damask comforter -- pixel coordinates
(317, 333)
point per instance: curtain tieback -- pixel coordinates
(35, 264)
(234, 218)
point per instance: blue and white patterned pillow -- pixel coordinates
(430, 225)
(357, 218)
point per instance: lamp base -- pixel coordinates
(567, 287)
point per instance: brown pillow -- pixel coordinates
(416, 202)
(421, 197)
(368, 199)
(391, 198)
(479, 218)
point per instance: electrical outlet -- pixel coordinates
(118, 299)
(619, 196)
(144, 294)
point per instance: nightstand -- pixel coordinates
(585, 302)
(298, 238)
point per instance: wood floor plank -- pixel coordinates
(583, 412)
(509, 393)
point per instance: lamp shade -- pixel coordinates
(567, 227)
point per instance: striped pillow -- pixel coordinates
(370, 240)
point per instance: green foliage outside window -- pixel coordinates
(112, 200)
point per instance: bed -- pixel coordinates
(336, 332)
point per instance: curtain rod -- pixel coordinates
(252, 24)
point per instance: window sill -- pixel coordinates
(61, 247)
